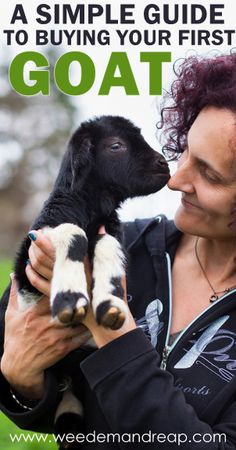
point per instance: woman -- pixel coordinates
(176, 387)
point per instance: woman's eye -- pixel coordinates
(211, 178)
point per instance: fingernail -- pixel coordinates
(32, 236)
(12, 276)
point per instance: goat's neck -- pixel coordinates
(97, 205)
(101, 204)
(90, 206)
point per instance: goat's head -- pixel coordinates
(114, 152)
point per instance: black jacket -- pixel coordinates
(191, 398)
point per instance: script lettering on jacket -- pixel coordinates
(195, 390)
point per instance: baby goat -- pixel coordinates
(106, 162)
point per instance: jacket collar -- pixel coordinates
(160, 235)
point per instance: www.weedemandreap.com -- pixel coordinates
(125, 438)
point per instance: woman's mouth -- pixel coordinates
(189, 205)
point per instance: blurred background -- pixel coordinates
(33, 136)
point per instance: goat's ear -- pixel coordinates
(81, 160)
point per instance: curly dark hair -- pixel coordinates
(201, 81)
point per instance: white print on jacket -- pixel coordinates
(218, 360)
(151, 321)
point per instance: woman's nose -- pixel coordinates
(181, 180)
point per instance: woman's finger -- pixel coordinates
(39, 282)
(124, 286)
(41, 254)
(79, 339)
(40, 240)
(102, 230)
(40, 262)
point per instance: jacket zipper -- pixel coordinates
(168, 348)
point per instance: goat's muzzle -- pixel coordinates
(161, 168)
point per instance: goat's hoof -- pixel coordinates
(69, 316)
(65, 315)
(113, 318)
(72, 309)
(79, 315)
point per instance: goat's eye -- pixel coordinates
(116, 147)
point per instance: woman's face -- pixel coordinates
(206, 176)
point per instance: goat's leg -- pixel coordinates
(69, 417)
(109, 307)
(69, 296)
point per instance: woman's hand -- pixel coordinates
(103, 336)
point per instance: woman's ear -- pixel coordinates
(81, 160)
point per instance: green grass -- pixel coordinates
(5, 270)
(6, 426)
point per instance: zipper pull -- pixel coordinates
(165, 355)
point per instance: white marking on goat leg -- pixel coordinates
(69, 283)
(108, 264)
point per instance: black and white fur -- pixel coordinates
(107, 161)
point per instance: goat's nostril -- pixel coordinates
(162, 166)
